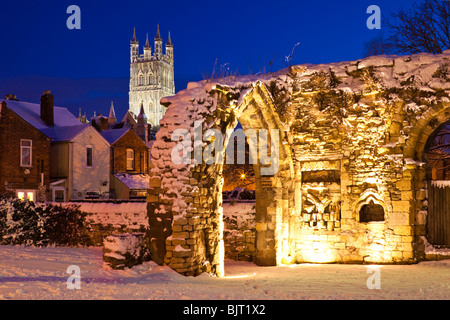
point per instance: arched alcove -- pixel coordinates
(371, 212)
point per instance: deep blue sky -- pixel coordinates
(88, 68)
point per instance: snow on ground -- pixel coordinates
(41, 273)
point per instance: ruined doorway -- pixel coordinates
(238, 204)
(185, 196)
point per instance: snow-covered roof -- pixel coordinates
(112, 135)
(134, 181)
(64, 133)
(65, 123)
(31, 112)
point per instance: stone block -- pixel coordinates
(180, 235)
(124, 251)
(400, 218)
(178, 241)
(179, 220)
(408, 255)
(407, 239)
(194, 220)
(403, 185)
(401, 206)
(155, 182)
(176, 228)
(152, 198)
(406, 195)
(403, 230)
(261, 226)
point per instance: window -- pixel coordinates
(89, 157)
(143, 162)
(130, 159)
(26, 153)
(25, 194)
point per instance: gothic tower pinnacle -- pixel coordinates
(151, 78)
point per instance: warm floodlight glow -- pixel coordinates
(237, 277)
(321, 253)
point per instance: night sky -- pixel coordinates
(89, 68)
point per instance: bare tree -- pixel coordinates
(425, 27)
(377, 46)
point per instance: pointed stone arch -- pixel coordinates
(423, 128)
(422, 134)
(185, 201)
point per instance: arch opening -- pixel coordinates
(437, 158)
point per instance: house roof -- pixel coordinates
(64, 133)
(112, 135)
(65, 123)
(133, 181)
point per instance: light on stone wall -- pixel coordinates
(320, 253)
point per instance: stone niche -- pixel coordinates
(321, 195)
(371, 212)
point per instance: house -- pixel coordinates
(47, 154)
(25, 150)
(129, 163)
(80, 164)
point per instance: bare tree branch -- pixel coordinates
(425, 27)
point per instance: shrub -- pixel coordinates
(23, 222)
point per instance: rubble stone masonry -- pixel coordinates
(351, 180)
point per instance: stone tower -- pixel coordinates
(151, 78)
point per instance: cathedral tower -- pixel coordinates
(151, 78)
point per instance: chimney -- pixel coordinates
(11, 97)
(47, 108)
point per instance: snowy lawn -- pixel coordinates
(41, 273)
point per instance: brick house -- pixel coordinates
(26, 134)
(129, 163)
(25, 156)
(47, 154)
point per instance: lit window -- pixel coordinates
(25, 194)
(89, 157)
(25, 153)
(130, 159)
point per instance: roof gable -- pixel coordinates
(112, 135)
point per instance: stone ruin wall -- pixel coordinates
(352, 137)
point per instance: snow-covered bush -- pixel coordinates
(27, 223)
(66, 225)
